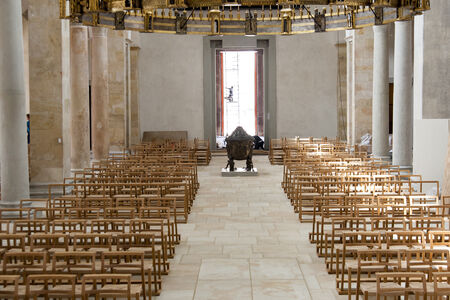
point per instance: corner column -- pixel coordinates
(349, 36)
(13, 128)
(380, 100)
(79, 100)
(403, 95)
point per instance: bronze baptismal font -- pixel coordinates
(240, 147)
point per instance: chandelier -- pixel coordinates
(239, 17)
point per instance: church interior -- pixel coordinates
(224, 149)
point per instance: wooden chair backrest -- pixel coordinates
(53, 285)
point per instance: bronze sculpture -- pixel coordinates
(240, 147)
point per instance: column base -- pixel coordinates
(14, 214)
(383, 157)
(76, 170)
(406, 168)
(7, 205)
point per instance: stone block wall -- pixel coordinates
(363, 41)
(135, 124)
(342, 89)
(45, 91)
(116, 58)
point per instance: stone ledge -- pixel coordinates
(239, 172)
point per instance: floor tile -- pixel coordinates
(244, 241)
(223, 290)
(224, 269)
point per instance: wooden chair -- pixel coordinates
(426, 224)
(13, 242)
(51, 242)
(110, 286)
(126, 262)
(395, 284)
(317, 211)
(441, 285)
(340, 225)
(93, 242)
(30, 226)
(49, 214)
(78, 263)
(405, 240)
(170, 203)
(370, 262)
(84, 213)
(427, 261)
(69, 226)
(439, 239)
(352, 243)
(4, 226)
(324, 223)
(113, 226)
(52, 286)
(119, 213)
(9, 287)
(24, 263)
(138, 242)
(96, 202)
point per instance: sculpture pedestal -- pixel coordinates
(239, 172)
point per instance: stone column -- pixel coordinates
(13, 129)
(79, 100)
(380, 100)
(134, 81)
(66, 94)
(100, 92)
(350, 87)
(403, 98)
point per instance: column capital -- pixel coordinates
(380, 28)
(349, 34)
(98, 32)
(403, 21)
(77, 25)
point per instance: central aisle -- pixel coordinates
(243, 241)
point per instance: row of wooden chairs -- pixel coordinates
(377, 229)
(58, 286)
(279, 147)
(18, 258)
(197, 148)
(109, 234)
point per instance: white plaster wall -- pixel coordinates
(436, 104)
(430, 136)
(430, 148)
(171, 83)
(307, 80)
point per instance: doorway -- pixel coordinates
(239, 93)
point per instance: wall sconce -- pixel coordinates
(181, 23)
(214, 17)
(116, 5)
(250, 25)
(286, 21)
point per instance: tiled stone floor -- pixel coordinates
(243, 241)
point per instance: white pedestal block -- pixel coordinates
(239, 172)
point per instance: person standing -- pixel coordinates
(28, 128)
(28, 138)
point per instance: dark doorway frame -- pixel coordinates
(259, 90)
(210, 46)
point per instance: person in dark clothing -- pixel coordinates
(259, 143)
(28, 128)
